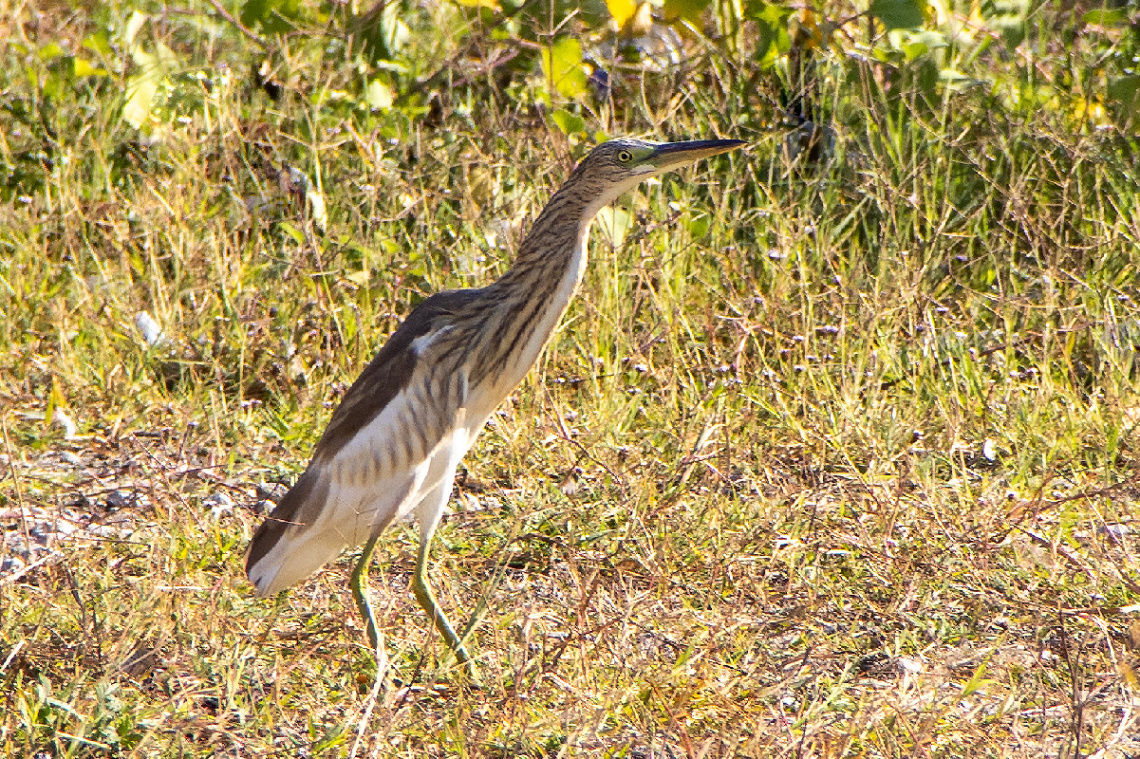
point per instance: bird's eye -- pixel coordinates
(625, 156)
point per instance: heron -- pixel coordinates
(391, 448)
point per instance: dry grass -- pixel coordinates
(831, 460)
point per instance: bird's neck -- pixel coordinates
(550, 245)
(534, 292)
(552, 257)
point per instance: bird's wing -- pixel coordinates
(375, 457)
(391, 370)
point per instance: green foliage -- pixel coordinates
(839, 426)
(899, 14)
(688, 11)
(142, 88)
(384, 34)
(773, 39)
(563, 68)
(272, 16)
(540, 20)
(1008, 17)
(569, 123)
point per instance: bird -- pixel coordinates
(391, 449)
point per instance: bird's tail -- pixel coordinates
(296, 539)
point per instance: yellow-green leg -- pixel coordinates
(427, 601)
(359, 585)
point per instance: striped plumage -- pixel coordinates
(392, 447)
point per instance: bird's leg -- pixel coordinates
(359, 585)
(429, 510)
(427, 601)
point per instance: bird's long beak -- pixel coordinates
(672, 154)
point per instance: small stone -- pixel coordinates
(220, 504)
(119, 499)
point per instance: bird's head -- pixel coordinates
(616, 166)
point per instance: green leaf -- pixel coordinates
(98, 43)
(384, 34)
(378, 95)
(359, 277)
(140, 95)
(773, 40)
(50, 51)
(899, 14)
(1105, 17)
(568, 122)
(770, 13)
(699, 226)
(142, 86)
(86, 68)
(562, 66)
(1007, 17)
(134, 25)
(917, 44)
(291, 230)
(1125, 91)
(978, 680)
(136, 109)
(396, 32)
(253, 12)
(1124, 88)
(684, 10)
(954, 80)
(272, 16)
(615, 224)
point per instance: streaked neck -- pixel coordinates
(550, 249)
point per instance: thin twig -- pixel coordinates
(16, 484)
(12, 655)
(53, 556)
(564, 433)
(253, 36)
(381, 654)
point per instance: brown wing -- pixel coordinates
(388, 373)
